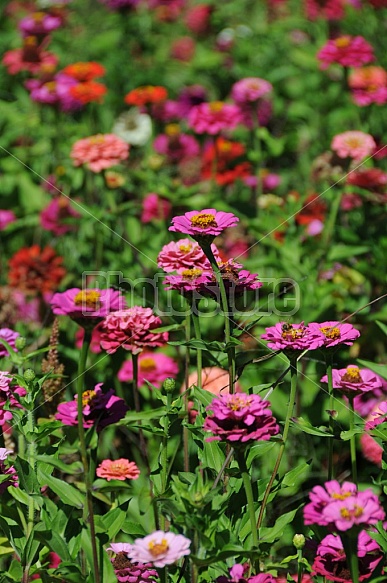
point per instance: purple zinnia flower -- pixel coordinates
(352, 380)
(206, 222)
(240, 418)
(336, 333)
(285, 336)
(87, 306)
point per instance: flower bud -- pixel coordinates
(29, 375)
(20, 343)
(299, 541)
(169, 385)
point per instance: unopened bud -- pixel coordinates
(169, 385)
(299, 541)
(29, 375)
(20, 343)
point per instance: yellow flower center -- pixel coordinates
(191, 273)
(341, 496)
(237, 404)
(98, 139)
(50, 86)
(38, 16)
(342, 42)
(185, 248)
(30, 41)
(352, 375)
(331, 333)
(88, 298)
(147, 364)
(225, 146)
(293, 333)
(356, 512)
(81, 68)
(203, 221)
(87, 397)
(172, 129)
(216, 106)
(354, 142)
(157, 549)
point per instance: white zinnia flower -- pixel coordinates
(133, 127)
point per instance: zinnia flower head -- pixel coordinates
(160, 548)
(6, 218)
(99, 152)
(87, 306)
(286, 336)
(348, 51)
(208, 222)
(29, 58)
(121, 469)
(240, 418)
(128, 572)
(353, 144)
(184, 254)
(84, 71)
(238, 574)
(131, 329)
(336, 333)
(154, 207)
(214, 117)
(145, 95)
(368, 85)
(9, 336)
(331, 562)
(39, 24)
(352, 380)
(250, 90)
(378, 416)
(193, 279)
(100, 409)
(36, 270)
(153, 367)
(134, 127)
(54, 216)
(175, 145)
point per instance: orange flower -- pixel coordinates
(121, 469)
(34, 270)
(88, 91)
(146, 94)
(84, 71)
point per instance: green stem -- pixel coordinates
(350, 544)
(186, 380)
(32, 463)
(198, 336)
(299, 566)
(330, 223)
(331, 405)
(240, 458)
(164, 455)
(289, 413)
(353, 439)
(88, 513)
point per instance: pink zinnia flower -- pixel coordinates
(153, 367)
(368, 401)
(352, 380)
(285, 336)
(9, 336)
(87, 306)
(184, 254)
(321, 496)
(250, 90)
(128, 572)
(331, 562)
(238, 574)
(240, 418)
(132, 330)
(214, 117)
(121, 469)
(348, 51)
(54, 216)
(39, 24)
(99, 152)
(160, 548)
(206, 222)
(193, 279)
(336, 333)
(176, 146)
(377, 417)
(368, 85)
(154, 207)
(6, 218)
(326, 9)
(100, 409)
(353, 144)
(29, 58)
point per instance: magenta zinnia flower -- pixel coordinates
(331, 562)
(336, 333)
(206, 222)
(153, 367)
(285, 336)
(131, 329)
(352, 380)
(348, 51)
(189, 280)
(212, 118)
(9, 336)
(353, 144)
(160, 548)
(128, 572)
(100, 409)
(238, 574)
(121, 469)
(240, 418)
(87, 306)
(54, 216)
(321, 496)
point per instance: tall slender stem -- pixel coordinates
(240, 458)
(88, 513)
(331, 405)
(198, 336)
(186, 380)
(289, 413)
(353, 439)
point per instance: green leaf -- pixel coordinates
(346, 435)
(212, 456)
(275, 532)
(290, 479)
(31, 549)
(67, 493)
(74, 468)
(382, 326)
(27, 477)
(114, 521)
(306, 427)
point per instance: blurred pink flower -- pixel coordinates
(9, 336)
(336, 333)
(121, 469)
(160, 548)
(6, 218)
(39, 24)
(99, 152)
(371, 449)
(214, 117)
(197, 18)
(326, 9)
(95, 346)
(153, 367)
(285, 336)
(250, 90)
(29, 58)
(205, 222)
(350, 201)
(131, 329)
(346, 50)
(239, 574)
(183, 49)
(240, 418)
(353, 144)
(6, 470)
(368, 85)
(352, 380)
(154, 207)
(54, 216)
(175, 145)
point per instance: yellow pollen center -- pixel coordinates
(331, 333)
(191, 273)
(342, 496)
(185, 248)
(172, 129)
(147, 364)
(87, 397)
(203, 221)
(216, 106)
(99, 139)
(157, 549)
(88, 299)
(237, 404)
(51, 86)
(342, 42)
(293, 334)
(354, 142)
(38, 16)
(352, 375)
(356, 512)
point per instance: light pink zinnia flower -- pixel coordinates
(321, 496)
(153, 367)
(348, 51)
(352, 380)
(184, 254)
(121, 469)
(87, 306)
(99, 152)
(160, 548)
(285, 336)
(353, 144)
(240, 418)
(250, 89)
(212, 118)
(132, 330)
(189, 280)
(154, 207)
(206, 222)
(363, 508)
(6, 218)
(336, 333)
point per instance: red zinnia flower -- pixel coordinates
(313, 209)
(34, 270)
(146, 94)
(84, 72)
(88, 91)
